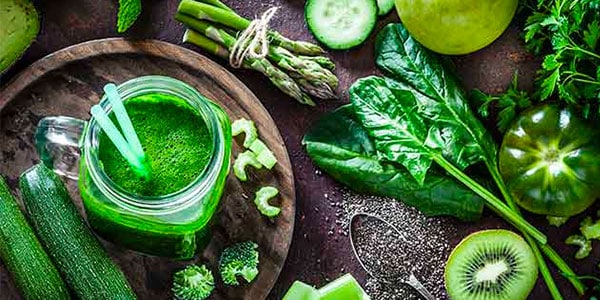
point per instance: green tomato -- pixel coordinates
(456, 27)
(550, 161)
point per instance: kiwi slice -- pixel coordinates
(490, 265)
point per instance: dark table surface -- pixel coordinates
(315, 256)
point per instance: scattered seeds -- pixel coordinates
(422, 246)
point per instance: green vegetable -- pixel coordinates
(345, 287)
(590, 229)
(78, 255)
(32, 271)
(20, 25)
(384, 7)
(509, 104)
(454, 139)
(456, 27)
(217, 12)
(585, 245)
(557, 221)
(571, 70)
(341, 147)
(301, 291)
(263, 195)
(248, 128)
(263, 154)
(288, 64)
(193, 283)
(419, 116)
(129, 10)
(341, 25)
(240, 259)
(566, 33)
(244, 159)
(549, 161)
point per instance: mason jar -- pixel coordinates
(176, 225)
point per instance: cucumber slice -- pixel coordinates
(385, 6)
(341, 24)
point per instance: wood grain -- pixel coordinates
(69, 81)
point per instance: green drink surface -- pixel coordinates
(176, 141)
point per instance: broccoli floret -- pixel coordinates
(193, 283)
(239, 260)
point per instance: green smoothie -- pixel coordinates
(175, 139)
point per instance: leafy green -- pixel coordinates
(508, 104)
(129, 10)
(585, 245)
(341, 147)
(567, 34)
(428, 98)
(571, 29)
(590, 229)
(418, 115)
(193, 283)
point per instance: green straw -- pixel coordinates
(123, 118)
(136, 161)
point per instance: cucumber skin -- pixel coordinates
(311, 23)
(32, 270)
(77, 253)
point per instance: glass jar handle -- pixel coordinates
(57, 143)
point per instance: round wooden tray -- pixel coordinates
(70, 81)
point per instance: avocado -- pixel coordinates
(20, 24)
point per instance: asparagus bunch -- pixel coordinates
(297, 68)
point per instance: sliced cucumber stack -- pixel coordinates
(385, 6)
(341, 24)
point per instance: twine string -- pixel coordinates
(253, 42)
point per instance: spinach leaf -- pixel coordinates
(340, 146)
(420, 115)
(421, 87)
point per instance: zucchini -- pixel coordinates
(339, 24)
(77, 253)
(32, 270)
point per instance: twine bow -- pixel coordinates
(253, 41)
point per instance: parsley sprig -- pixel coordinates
(567, 33)
(508, 105)
(571, 28)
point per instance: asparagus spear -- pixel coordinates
(229, 18)
(321, 60)
(277, 77)
(217, 3)
(313, 78)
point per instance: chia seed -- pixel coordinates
(421, 246)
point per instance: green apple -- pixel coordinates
(456, 27)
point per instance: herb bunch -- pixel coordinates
(567, 33)
(571, 28)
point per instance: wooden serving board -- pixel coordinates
(70, 81)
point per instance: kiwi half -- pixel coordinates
(491, 265)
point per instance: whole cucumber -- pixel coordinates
(77, 253)
(32, 270)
